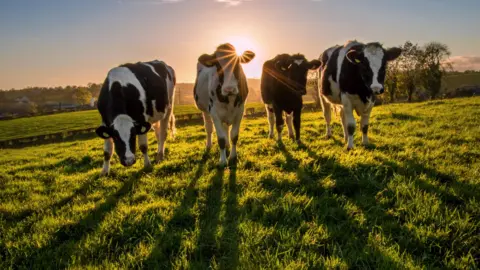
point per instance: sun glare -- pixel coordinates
(241, 44)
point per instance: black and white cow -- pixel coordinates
(284, 81)
(133, 98)
(220, 92)
(352, 75)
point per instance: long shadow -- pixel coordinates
(169, 241)
(328, 208)
(16, 218)
(57, 253)
(230, 238)
(69, 165)
(206, 246)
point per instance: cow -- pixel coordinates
(351, 76)
(220, 92)
(283, 83)
(135, 97)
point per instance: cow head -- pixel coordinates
(229, 70)
(124, 133)
(371, 60)
(296, 68)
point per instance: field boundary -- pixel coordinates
(90, 132)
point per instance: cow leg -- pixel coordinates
(279, 123)
(107, 155)
(344, 125)
(143, 145)
(227, 135)
(349, 119)
(172, 126)
(208, 128)
(327, 114)
(162, 135)
(235, 132)
(221, 137)
(364, 119)
(271, 120)
(289, 118)
(296, 123)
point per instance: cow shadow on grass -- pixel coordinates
(17, 218)
(63, 244)
(168, 241)
(68, 166)
(347, 204)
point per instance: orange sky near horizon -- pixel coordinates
(57, 43)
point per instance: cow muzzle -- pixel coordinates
(128, 161)
(377, 90)
(229, 90)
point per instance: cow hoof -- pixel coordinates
(327, 137)
(104, 173)
(159, 157)
(148, 168)
(291, 136)
(232, 161)
(270, 136)
(349, 148)
(222, 164)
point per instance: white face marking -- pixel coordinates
(228, 63)
(123, 124)
(124, 76)
(298, 62)
(375, 57)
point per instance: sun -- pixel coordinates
(241, 44)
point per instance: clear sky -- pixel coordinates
(61, 42)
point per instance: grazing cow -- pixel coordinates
(220, 92)
(352, 75)
(284, 81)
(133, 98)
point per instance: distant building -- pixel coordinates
(93, 102)
(22, 100)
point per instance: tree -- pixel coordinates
(312, 83)
(391, 81)
(82, 96)
(434, 66)
(410, 66)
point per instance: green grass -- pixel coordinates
(411, 200)
(62, 122)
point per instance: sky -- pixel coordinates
(74, 42)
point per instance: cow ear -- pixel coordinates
(314, 64)
(246, 57)
(207, 60)
(355, 57)
(143, 128)
(393, 53)
(104, 132)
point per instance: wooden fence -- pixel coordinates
(90, 132)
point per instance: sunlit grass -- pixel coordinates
(411, 200)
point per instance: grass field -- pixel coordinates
(47, 124)
(411, 200)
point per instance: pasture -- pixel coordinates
(70, 121)
(410, 200)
